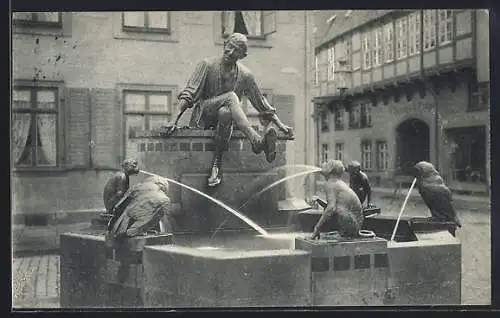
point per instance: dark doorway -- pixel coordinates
(468, 156)
(412, 145)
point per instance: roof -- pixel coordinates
(344, 23)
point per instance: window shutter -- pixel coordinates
(227, 20)
(78, 127)
(268, 22)
(105, 133)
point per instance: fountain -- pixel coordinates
(254, 259)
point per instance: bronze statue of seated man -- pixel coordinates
(215, 90)
(342, 203)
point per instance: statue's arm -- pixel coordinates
(368, 189)
(119, 190)
(261, 104)
(331, 198)
(259, 101)
(194, 87)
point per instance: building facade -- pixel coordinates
(393, 87)
(83, 81)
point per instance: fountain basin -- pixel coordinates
(423, 268)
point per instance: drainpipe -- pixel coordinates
(306, 83)
(318, 150)
(91, 142)
(306, 100)
(436, 125)
(431, 90)
(421, 44)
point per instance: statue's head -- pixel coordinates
(162, 183)
(354, 167)
(424, 169)
(235, 47)
(130, 166)
(334, 168)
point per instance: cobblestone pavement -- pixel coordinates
(36, 278)
(35, 282)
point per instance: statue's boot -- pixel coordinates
(266, 143)
(215, 177)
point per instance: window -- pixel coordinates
(382, 156)
(339, 118)
(148, 21)
(34, 126)
(389, 42)
(316, 70)
(429, 29)
(254, 24)
(377, 46)
(53, 19)
(354, 115)
(324, 152)
(325, 125)
(146, 110)
(339, 151)
(367, 50)
(366, 115)
(445, 26)
(331, 63)
(479, 95)
(402, 38)
(366, 155)
(414, 33)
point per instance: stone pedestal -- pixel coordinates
(177, 276)
(187, 157)
(424, 225)
(124, 269)
(427, 271)
(348, 273)
(82, 271)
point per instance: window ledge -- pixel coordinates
(38, 169)
(252, 42)
(478, 109)
(146, 36)
(445, 44)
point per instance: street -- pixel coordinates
(36, 278)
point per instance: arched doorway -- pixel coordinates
(412, 145)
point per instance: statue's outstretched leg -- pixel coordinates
(266, 143)
(227, 109)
